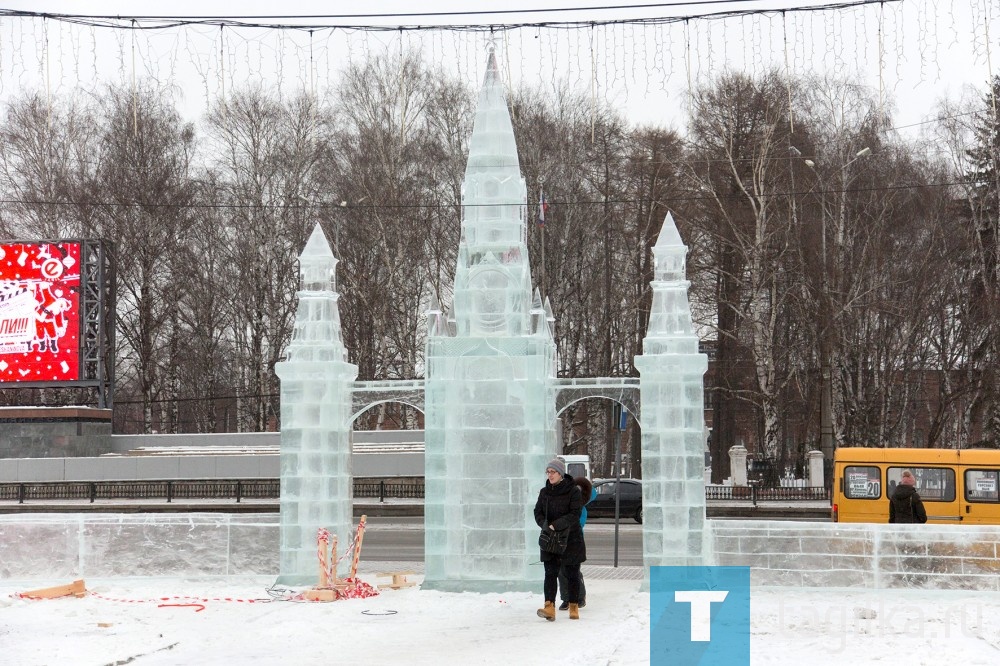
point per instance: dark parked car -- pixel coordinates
(629, 504)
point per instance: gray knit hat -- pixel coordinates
(558, 465)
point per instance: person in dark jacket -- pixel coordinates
(904, 503)
(558, 507)
(589, 494)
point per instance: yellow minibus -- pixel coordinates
(956, 485)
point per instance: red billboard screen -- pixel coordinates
(40, 312)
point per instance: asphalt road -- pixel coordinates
(402, 539)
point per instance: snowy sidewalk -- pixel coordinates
(175, 621)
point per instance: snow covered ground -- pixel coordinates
(213, 621)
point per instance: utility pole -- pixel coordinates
(826, 323)
(542, 205)
(622, 415)
(826, 403)
(826, 438)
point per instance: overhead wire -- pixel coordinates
(159, 22)
(431, 206)
(133, 23)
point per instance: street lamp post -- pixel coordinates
(826, 438)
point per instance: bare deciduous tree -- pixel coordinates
(267, 151)
(141, 194)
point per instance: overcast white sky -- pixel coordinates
(917, 51)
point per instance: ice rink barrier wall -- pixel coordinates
(860, 555)
(780, 553)
(58, 546)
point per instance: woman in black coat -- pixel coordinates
(558, 507)
(905, 505)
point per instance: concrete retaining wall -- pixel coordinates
(59, 432)
(125, 443)
(228, 466)
(44, 432)
(250, 466)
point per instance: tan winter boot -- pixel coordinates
(549, 612)
(574, 611)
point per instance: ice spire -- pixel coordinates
(490, 419)
(539, 324)
(317, 265)
(317, 321)
(436, 323)
(550, 318)
(670, 327)
(493, 278)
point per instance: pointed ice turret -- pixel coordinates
(539, 325)
(317, 265)
(673, 416)
(317, 323)
(493, 279)
(549, 317)
(490, 419)
(316, 385)
(670, 327)
(436, 324)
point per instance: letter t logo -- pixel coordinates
(701, 610)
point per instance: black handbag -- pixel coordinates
(553, 541)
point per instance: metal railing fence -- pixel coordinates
(756, 494)
(169, 490)
(270, 489)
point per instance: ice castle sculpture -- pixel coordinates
(490, 396)
(316, 382)
(490, 413)
(671, 374)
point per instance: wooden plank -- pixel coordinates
(398, 580)
(77, 589)
(320, 595)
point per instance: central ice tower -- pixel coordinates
(490, 412)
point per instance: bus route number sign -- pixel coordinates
(862, 486)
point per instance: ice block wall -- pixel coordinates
(671, 372)
(61, 547)
(860, 555)
(317, 488)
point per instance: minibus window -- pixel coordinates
(982, 485)
(935, 484)
(862, 482)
